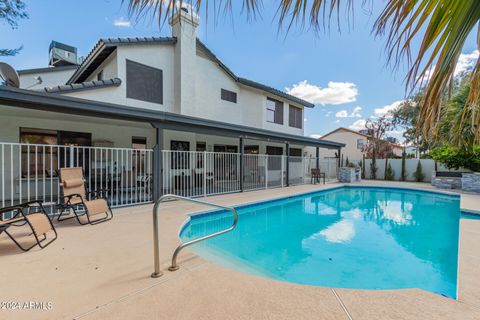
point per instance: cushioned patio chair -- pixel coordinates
(36, 219)
(75, 197)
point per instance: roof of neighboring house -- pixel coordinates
(97, 84)
(105, 47)
(358, 133)
(47, 69)
(347, 130)
(37, 100)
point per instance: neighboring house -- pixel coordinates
(355, 143)
(161, 93)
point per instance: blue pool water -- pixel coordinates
(349, 237)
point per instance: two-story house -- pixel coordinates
(171, 95)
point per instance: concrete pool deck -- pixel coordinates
(103, 272)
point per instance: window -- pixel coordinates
(180, 160)
(229, 96)
(295, 118)
(360, 143)
(223, 148)
(138, 157)
(34, 162)
(144, 83)
(274, 163)
(274, 111)
(251, 150)
(139, 143)
(100, 75)
(295, 154)
(201, 147)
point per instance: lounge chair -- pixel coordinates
(38, 221)
(95, 205)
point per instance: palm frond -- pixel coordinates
(443, 27)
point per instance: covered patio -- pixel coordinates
(140, 154)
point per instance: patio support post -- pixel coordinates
(157, 166)
(317, 156)
(242, 151)
(287, 169)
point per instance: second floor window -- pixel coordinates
(295, 118)
(144, 83)
(229, 96)
(274, 111)
(359, 144)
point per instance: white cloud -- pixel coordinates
(328, 114)
(358, 124)
(339, 232)
(121, 22)
(338, 121)
(356, 112)
(316, 136)
(344, 113)
(305, 119)
(385, 110)
(335, 93)
(466, 62)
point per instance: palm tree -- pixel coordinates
(442, 26)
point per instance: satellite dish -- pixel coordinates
(8, 76)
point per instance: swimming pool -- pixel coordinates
(348, 237)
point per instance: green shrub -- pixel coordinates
(403, 175)
(373, 166)
(390, 173)
(418, 174)
(456, 158)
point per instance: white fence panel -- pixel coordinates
(31, 172)
(428, 166)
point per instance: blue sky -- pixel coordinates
(343, 73)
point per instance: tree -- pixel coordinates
(11, 11)
(452, 129)
(403, 175)
(373, 166)
(440, 26)
(377, 129)
(418, 174)
(389, 173)
(456, 158)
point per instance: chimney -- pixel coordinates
(184, 27)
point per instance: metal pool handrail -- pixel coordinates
(156, 254)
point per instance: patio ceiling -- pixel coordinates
(159, 119)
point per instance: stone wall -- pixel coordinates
(348, 174)
(446, 182)
(471, 182)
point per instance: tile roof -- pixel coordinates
(97, 84)
(105, 47)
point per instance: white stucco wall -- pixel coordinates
(350, 150)
(49, 79)
(118, 132)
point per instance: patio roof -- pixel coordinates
(159, 119)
